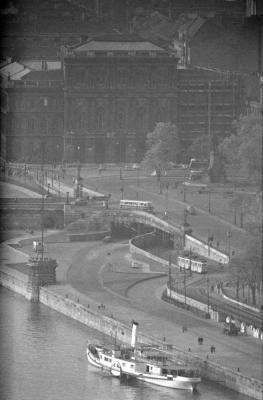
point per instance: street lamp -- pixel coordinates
(229, 235)
(138, 176)
(208, 299)
(209, 201)
(170, 276)
(184, 189)
(122, 190)
(166, 200)
(184, 287)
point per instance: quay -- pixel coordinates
(95, 286)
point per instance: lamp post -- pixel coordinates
(122, 190)
(190, 262)
(184, 187)
(208, 299)
(170, 276)
(138, 176)
(119, 144)
(209, 201)
(58, 186)
(229, 235)
(184, 287)
(166, 200)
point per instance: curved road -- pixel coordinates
(97, 274)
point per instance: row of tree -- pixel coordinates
(240, 152)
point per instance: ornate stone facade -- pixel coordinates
(109, 94)
(114, 95)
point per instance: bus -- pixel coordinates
(137, 204)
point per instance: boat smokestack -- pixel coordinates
(134, 329)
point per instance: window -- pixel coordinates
(30, 124)
(100, 118)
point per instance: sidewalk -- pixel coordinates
(82, 268)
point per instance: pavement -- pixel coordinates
(96, 273)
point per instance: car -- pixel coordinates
(191, 210)
(107, 239)
(230, 329)
(81, 202)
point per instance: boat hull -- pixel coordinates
(175, 383)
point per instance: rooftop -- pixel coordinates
(118, 43)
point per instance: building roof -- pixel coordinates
(49, 75)
(118, 43)
(14, 71)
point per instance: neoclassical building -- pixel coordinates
(115, 90)
(108, 94)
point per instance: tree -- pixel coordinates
(163, 147)
(240, 205)
(244, 148)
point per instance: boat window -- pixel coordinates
(164, 371)
(106, 359)
(181, 372)
(174, 372)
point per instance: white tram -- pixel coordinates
(137, 204)
(196, 265)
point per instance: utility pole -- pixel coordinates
(209, 201)
(170, 276)
(229, 235)
(208, 300)
(209, 117)
(184, 187)
(190, 262)
(184, 287)
(42, 201)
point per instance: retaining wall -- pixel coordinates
(232, 379)
(15, 281)
(203, 249)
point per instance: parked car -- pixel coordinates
(191, 210)
(107, 239)
(81, 202)
(230, 329)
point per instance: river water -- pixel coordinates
(43, 357)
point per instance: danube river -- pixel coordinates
(43, 358)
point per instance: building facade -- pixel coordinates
(115, 91)
(109, 93)
(35, 115)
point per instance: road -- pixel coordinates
(95, 273)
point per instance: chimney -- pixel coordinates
(133, 338)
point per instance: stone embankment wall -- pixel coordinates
(111, 327)
(203, 249)
(25, 218)
(17, 282)
(249, 330)
(20, 283)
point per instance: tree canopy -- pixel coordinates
(244, 148)
(163, 146)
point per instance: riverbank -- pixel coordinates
(91, 274)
